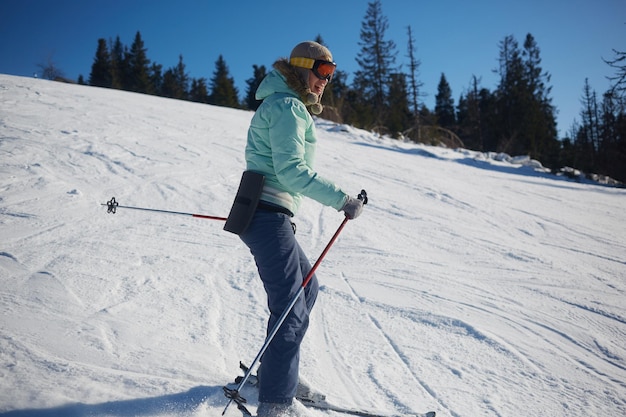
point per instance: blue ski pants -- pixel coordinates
(282, 266)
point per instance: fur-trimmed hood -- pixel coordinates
(293, 83)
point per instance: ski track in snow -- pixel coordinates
(470, 286)
(408, 376)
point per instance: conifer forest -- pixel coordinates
(517, 117)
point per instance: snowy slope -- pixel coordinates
(469, 286)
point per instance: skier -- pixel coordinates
(281, 146)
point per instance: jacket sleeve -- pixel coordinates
(292, 138)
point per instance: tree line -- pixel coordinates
(516, 118)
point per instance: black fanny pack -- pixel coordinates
(246, 202)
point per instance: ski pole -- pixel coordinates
(113, 205)
(233, 394)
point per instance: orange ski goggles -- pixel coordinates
(322, 69)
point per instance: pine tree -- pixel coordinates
(613, 149)
(176, 81)
(509, 96)
(587, 137)
(400, 116)
(444, 104)
(199, 91)
(223, 90)
(376, 61)
(608, 145)
(414, 84)
(539, 131)
(156, 79)
(599, 141)
(259, 73)
(139, 67)
(526, 121)
(470, 116)
(100, 75)
(118, 65)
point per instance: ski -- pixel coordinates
(323, 405)
(308, 398)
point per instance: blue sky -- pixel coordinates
(459, 38)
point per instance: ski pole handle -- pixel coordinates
(363, 196)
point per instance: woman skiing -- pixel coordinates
(281, 146)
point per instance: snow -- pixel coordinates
(473, 284)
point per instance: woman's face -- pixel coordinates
(315, 84)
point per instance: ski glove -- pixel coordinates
(353, 207)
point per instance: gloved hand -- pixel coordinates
(353, 207)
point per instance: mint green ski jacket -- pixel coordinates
(281, 145)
